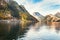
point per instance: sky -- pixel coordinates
(44, 7)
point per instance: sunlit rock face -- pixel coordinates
(57, 14)
(52, 20)
(49, 19)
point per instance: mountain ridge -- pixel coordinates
(16, 11)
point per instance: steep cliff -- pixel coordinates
(11, 9)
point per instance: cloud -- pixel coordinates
(44, 7)
(56, 6)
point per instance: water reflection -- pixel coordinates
(13, 30)
(43, 32)
(29, 31)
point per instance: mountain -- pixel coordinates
(38, 16)
(5, 12)
(14, 7)
(11, 9)
(57, 14)
(3, 4)
(20, 12)
(49, 19)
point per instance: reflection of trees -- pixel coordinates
(4, 29)
(25, 27)
(13, 33)
(13, 30)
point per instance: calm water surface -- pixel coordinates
(29, 31)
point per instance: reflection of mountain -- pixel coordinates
(10, 31)
(12, 9)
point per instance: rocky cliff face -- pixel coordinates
(14, 10)
(49, 19)
(57, 14)
(38, 16)
(3, 4)
(4, 10)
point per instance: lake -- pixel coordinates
(29, 31)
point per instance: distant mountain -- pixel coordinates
(51, 18)
(57, 14)
(38, 16)
(13, 10)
